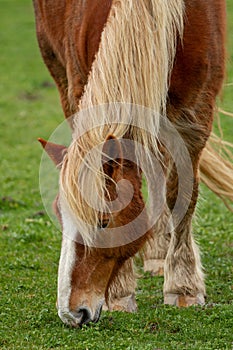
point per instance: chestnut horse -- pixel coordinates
(130, 73)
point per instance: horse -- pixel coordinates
(138, 82)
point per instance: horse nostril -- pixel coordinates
(85, 315)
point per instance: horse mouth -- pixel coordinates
(98, 313)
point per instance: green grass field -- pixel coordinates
(30, 244)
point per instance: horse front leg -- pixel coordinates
(155, 250)
(121, 293)
(183, 276)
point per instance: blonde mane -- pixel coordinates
(132, 66)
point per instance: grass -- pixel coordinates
(30, 244)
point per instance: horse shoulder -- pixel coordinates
(200, 60)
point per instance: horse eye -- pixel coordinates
(103, 223)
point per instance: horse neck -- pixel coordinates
(135, 56)
(132, 67)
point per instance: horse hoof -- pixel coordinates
(184, 300)
(125, 304)
(154, 266)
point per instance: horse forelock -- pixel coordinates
(133, 66)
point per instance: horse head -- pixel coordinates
(87, 271)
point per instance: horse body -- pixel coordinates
(70, 36)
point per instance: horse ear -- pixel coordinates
(54, 151)
(112, 156)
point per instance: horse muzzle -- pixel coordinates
(82, 316)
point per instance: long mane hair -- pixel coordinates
(132, 66)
